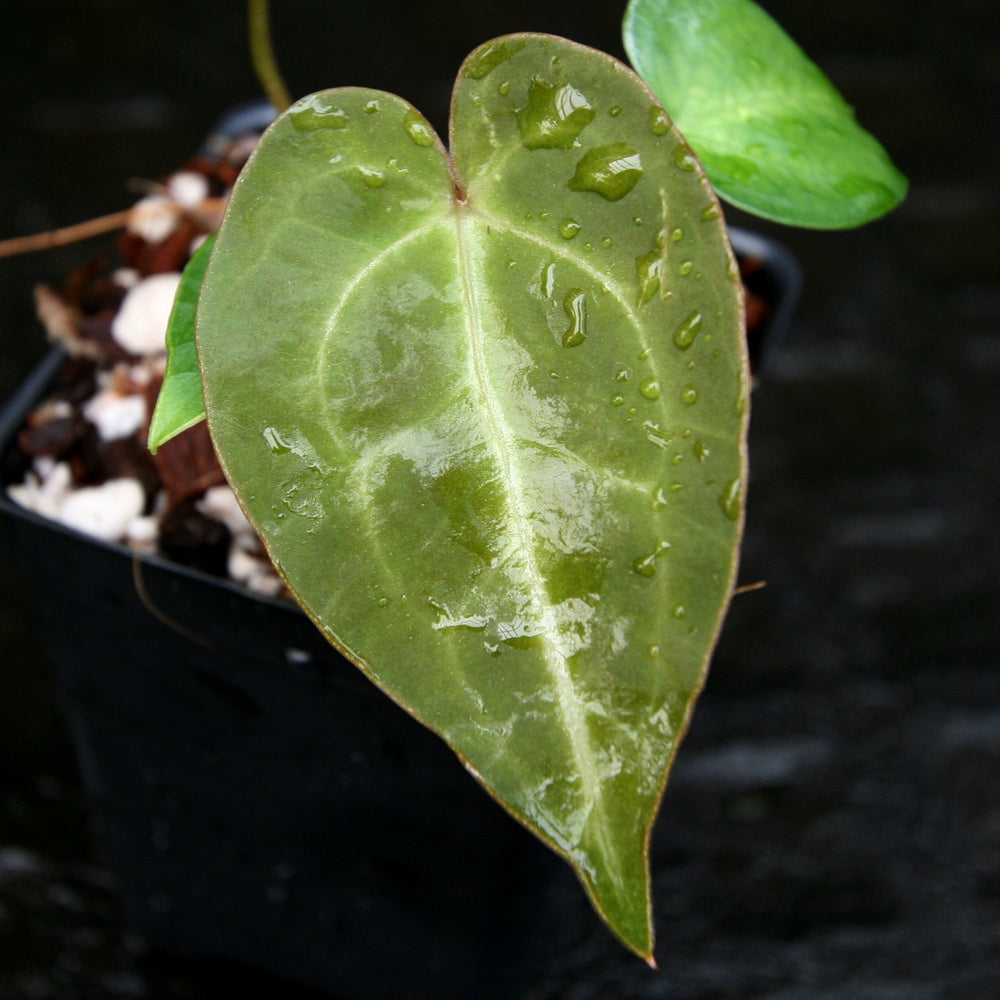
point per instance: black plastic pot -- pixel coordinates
(257, 798)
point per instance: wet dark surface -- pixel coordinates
(833, 825)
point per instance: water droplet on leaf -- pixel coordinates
(655, 434)
(659, 120)
(684, 157)
(685, 334)
(417, 128)
(575, 305)
(274, 440)
(314, 112)
(489, 56)
(612, 171)
(649, 268)
(372, 178)
(548, 279)
(689, 395)
(730, 499)
(554, 117)
(569, 228)
(646, 565)
(650, 389)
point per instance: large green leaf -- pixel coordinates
(488, 413)
(774, 134)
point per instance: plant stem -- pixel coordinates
(262, 54)
(62, 237)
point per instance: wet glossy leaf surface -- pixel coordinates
(774, 134)
(180, 404)
(488, 412)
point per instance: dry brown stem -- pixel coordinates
(208, 215)
(64, 236)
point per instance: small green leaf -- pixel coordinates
(180, 404)
(775, 136)
(488, 412)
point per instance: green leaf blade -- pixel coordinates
(480, 442)
(180, 404)
(774, 134)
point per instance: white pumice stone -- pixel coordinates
(25, 494)
(114, 415)
(188, 188)
(255, 574)
(126, 277)
(153, 218)
(103, 511)
(143, 372)
(141, 324)
(142, 533)
(57, 482)
(247, 540)
(220, 503)
(242, 566)
(53, 409)
(266, 582)
(44, 489)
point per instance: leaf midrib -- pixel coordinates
(567, 697)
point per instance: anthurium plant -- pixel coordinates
(486, 402)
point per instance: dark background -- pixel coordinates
(833, 826)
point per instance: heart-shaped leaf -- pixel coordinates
(487, 411)
(774, 134)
